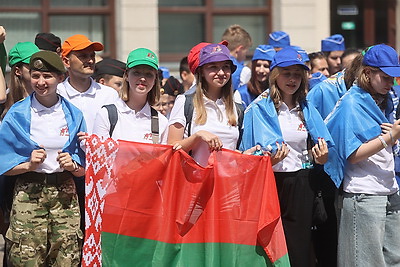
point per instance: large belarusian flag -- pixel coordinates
(163, 209)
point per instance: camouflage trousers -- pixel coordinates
(44, 225)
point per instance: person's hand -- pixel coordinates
(66, 162)
(280, 153)
(2, 34)
(213, 141)
(176, 146)
(37, 158)
(386, 127)
(82, 136)
(253, 149)
(396, 130)
(320, 151)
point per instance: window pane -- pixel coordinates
(180, 32)
(254, 25)
(25, 3)
(233, 3)
(74, 3)
(93, 27)
(20, 27)
(181, 2)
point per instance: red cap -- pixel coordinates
(193, 57)
(79, 42)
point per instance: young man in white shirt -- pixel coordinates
(78, 55)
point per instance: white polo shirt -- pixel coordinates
(90, 101)
(131, 125)
(217, 123)
(50, 130)
(374, 175)
(295, 135)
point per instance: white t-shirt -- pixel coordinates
(374, 175)
(217, 123)
(90, 101)
(131, 125)
(49, 129)
(245, 76)
(295, 135)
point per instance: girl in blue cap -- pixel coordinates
(259, 75)
(363, 164)
(281, 121)
(215, 117)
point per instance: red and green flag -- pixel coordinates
(151, 206)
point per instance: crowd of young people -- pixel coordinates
(338, 137)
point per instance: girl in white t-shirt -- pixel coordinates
(141, 90)
(369, 203)
(40, 148)
(214, 122)
(281, 113)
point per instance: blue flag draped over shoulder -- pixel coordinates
(355, 120)
(16, 145)
(325, 94)
(261, 124)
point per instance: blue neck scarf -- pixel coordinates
(16, 145)
(261, 125)
(355, 120)
(325, 94)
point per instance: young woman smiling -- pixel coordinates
(45, 218)
(281, 121)
(215, 116)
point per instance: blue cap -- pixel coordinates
(279, 39)
(384, 57)
(264, 52)
(315, 79)
(302, 52)
(333, 43)
(165, 72)
(287, 57)
(215, 53)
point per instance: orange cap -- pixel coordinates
(79, 42)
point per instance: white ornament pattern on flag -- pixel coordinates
(100, 157)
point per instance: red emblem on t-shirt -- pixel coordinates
(147, 136)
(301, 128)
(64, 131)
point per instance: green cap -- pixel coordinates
(47, 61)
(21, 52)
(142, 56)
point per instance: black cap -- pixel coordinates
(173, 87)
(46, 61)
(48, 41)
(109, 66)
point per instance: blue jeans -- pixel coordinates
(369, 230)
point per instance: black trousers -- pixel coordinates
(325, 235)
(296, 197)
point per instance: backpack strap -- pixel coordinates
(112, 116)
(188, 110)
(240, 115)
(155, 129)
